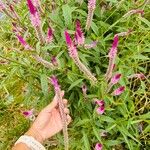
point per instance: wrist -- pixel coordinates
(35, 134)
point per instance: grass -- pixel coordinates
(24, 83)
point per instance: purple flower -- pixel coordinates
(71, 47)
(115, 79)
(23, 42)
(124, 33)
(91, 4)
(84, 89)
(79, 36)
(2, 6)
(112, 56)
(36, 3)
(134, 11)
(29, 114)
(91, 8)
(100, 110)
(31, 7)
(99, 102)
(54, 61)
(92, 45)
(98, 146)
(54, 82)
(137, 75)
(101, 106)
(34, 16)
(118, 91)
(49, 35)
(113, 50)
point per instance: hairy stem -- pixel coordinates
(64, 119)
(43, 62)
(85, 70)
(89, 18)
(108, 74)
(39, 34)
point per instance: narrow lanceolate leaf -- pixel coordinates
(67, 13)
(54, 82)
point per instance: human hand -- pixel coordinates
(49, 121)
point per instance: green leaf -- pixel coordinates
(44, 84)
(86, 141)
(144, 20)
(67, 13)
(75, 84)
(94, 28)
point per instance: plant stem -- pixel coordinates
(85, 70)
(64, 119)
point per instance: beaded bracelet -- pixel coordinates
(30, 142)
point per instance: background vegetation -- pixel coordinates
(24, 84)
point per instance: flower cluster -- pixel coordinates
(91, 8)
(56, 85)
(101, 106)
(79, 40)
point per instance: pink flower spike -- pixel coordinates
(84, 89)
(100, 102)
(92, 45)
(23, 42)
(118, 91)
(79, 36)
(68, 39)
(31, 7)
(134, 11)
(2, 6)
(100, 110)
(49, 35)
(113, 50)
(115, 79)
(98, 146)
(91, 4)
(54, 61)
(35, 19)
(137, 75)
(36, 3)
(124, 33)
(71, 47)
(28, 113)
(54, 82)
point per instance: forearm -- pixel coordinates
(20, 146)
(32, 133)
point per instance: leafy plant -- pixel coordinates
(27, 61)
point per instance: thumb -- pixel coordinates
(53, 104)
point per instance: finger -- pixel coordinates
(66, 110)
(51, 106)
(68, 119)
(65, 101)
(56, 97)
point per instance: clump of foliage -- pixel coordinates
(107, 85)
